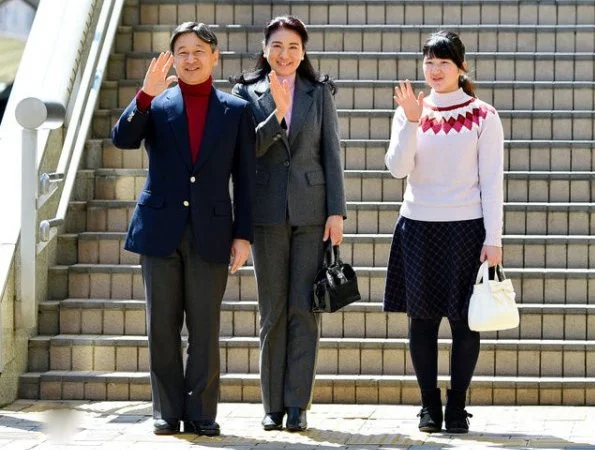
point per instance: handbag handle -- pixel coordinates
(336, 253)
(332, 253)
(484, 273)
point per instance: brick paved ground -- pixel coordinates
(127, 425)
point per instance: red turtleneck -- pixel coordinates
(196, 104)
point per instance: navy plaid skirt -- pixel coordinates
(432, 267)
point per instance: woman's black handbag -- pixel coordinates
(336, 283)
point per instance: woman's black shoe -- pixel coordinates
(273, 421)
(457, 423)
(430, 420)
(296, 419)
(430, 416)
(455, 416)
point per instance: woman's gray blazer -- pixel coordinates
(299, 178)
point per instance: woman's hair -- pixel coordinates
(262, 68)
(448, 45)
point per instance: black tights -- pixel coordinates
(423, 345)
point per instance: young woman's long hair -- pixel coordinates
(262, 68)
(448, 45)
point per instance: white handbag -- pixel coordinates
(492, 306)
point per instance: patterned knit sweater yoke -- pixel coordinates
(453, 161)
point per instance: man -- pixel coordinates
(197, 138)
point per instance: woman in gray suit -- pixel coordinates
(300, 203)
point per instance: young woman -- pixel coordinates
(300, 203)
(450, 147)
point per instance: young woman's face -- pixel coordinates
(284, 51)
(442, 75)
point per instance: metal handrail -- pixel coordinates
(39, 113)
(32, 3)
(82, 115)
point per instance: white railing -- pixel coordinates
(82, 114)
(48, 92)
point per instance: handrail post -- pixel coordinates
(28, 245)
(32, 114)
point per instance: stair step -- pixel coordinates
(545, 155)
(369, 217)
(365, 185)
(377, 94)
(532, 285)
(519, 217)
(519, 186)
(519, 154)
(344, 356)
(360, 249)
(517, 124)
(361, 320)
(390, 65)
(360, 12)
(392, 37)
(376, 123)
(363, 389)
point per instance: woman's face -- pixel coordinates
(442, 75)
(284, 51)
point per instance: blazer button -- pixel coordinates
(186, 203)
(192, 179)
(286, 163)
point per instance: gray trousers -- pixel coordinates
(178, 284)
(286, 260)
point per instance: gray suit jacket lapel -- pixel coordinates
(265, 99)
(302, 100)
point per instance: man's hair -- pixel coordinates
(202, 31)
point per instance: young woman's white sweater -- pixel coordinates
(453, 161)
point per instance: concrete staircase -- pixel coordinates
(532, 60)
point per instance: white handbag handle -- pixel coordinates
(484, 273)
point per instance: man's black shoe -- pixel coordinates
(202, 427)
(162, 426)
(273, 421)
(296, 419)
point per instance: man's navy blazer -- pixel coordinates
(176, 192)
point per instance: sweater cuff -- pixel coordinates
(143, 101)
(493, 240)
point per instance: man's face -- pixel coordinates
(194, 60)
